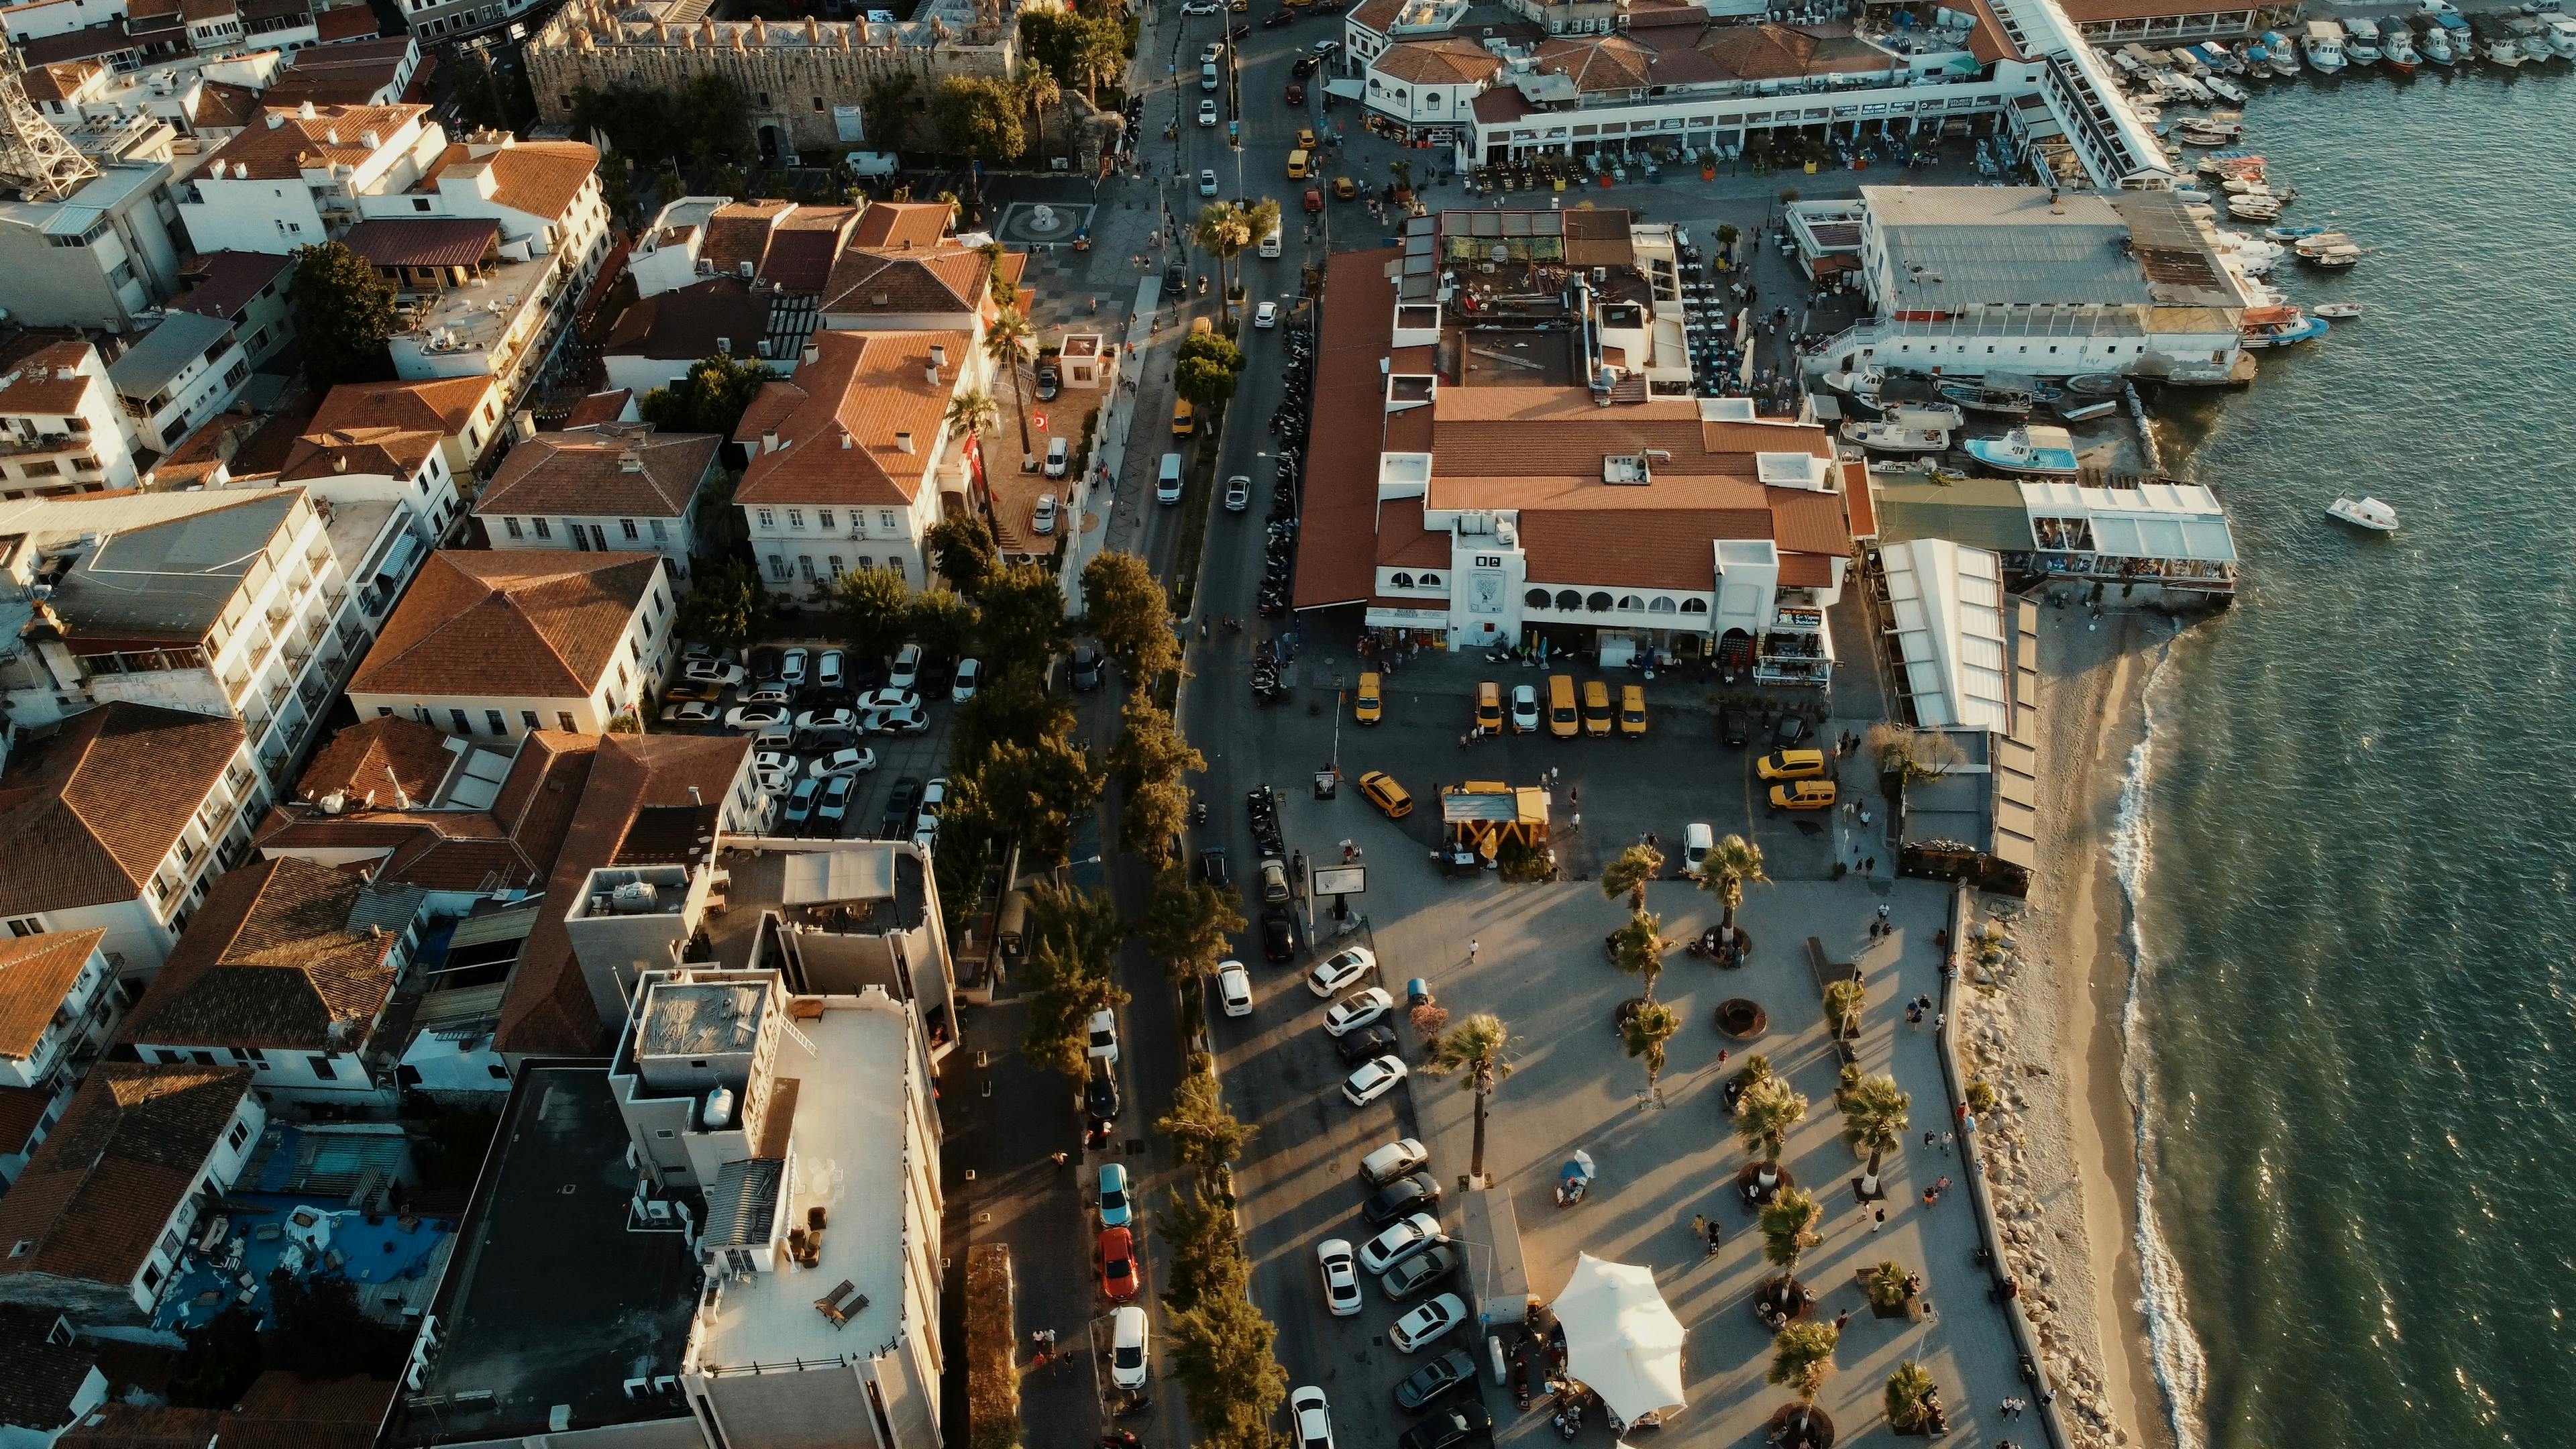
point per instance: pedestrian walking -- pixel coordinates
(1699, 1225)
(1712, 1240)
(1947, 1138)
(1471, 950)
(1929, 1140)
(1882, 906)
(1578, 820)
(1877, 1220)
(1721, 1058)
(1841, 1320)
(1914, 1022)
(1940, 1019)
(1930, 1197)
(1942, 1186)
(2004, 1408)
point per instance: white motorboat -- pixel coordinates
(2367, 513)
(2361, 40)
(2397, 48)
(2338, 311)
(2036, 449)
(2325, 47)
(1898, 433)
(2256, 207)
(2226, 90)
(2562, 36)
(2436, 46)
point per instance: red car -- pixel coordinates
(1118, 1264)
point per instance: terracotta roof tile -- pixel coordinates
(541, 178)
(803, 246)
(1437, 62)
(869, 386)
(1598, 63)
(1349, 424)
(599, 407)
(221, 284)
(393, 452)
(22, 1110)
(738, 232)
(687, 323)
(512, 846)
(590, 472)
(222, 106)
(389, 759)
(272, 961)
(425, 241)
(90, 811)
(538, 624)
(893, 282)
(898, 224)
(346, 22)
(548, 1009)
(335, 135)
(59, 82)
(444, 405)
(36, 973)
(93, 1201)
(1766, 51)
(39, 1377)
(35, 387)
(1665, 548)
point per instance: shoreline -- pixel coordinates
(2056, 975)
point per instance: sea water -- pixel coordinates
(2352, 841)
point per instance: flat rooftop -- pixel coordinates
(846, 1152)
(850, 889)
(552, 1303)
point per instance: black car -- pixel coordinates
(906, 798)
(763, 663)
(1304, 67)
(1365, 1045)
(1238, 32)
(1454, 1425)
(1100, 1094)
(1089, 666)
(1435, 1381)
(1734, 727)
(1050, 382)
(1403, 1197)
(1277, 18)
(1792, 729)
(1278, 938)
(1213, 870)
(1419, 1272)
(1176, 280)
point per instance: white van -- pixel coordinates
(1207, 76)
(1167, 482)
(1270, 241)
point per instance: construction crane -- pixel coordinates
(33, 154)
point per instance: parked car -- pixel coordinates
(1059, 457)
(855, 761)
(1385, 1164)
(1114, 1209)
(1238, 489)
(696, 711)
(1791, 765)
(1524, 709)
(1697, 841)
(800, 805)
(1373, 1080)
(1100, 1093)
(1340, 969)
(1357, 1010)
(906, 721)
(905, 673)
(1278, 937)
(1127, 1348)
(887, 698)
(1118, 1266)
(1399, 1242)
(1435, 1380)
(764, 695)
(1312, 1416)
(1427, 1322)
(1384, 793)
(1277, 18)
(1234, 988)
(1366, 1044)
(826, 719)
(970, 672)
(1213, 869)
(1341, 1276)
(829, 672)
(1104, 1037)
(711, 671)
(1402, 1198)
(1274, 880)
(1419, 1272)
(837, 790)
(1734, 726)
(1792, 729)
(1465, 1422)
(777, 780)
(748, 718)
(1050, 381)
(1089, 665)
(1803, 795)
(791, 668)
(1207, 183)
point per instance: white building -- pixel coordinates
(291, 969)
(783, 247)
(500, 643)
(60, 1004)
(658, 339)
(61, 430)
(248, 289)
(807, 1124)
(103, 1211)
(395, 466)
(295, 177)
(101, 258)
(609, 486)
(465, 412)
(185, 370)
(55, 1378)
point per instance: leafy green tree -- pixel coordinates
(1478, 1047)
(942, 623)
(1206, 1247)
(1063, 997)
(1639, 947)
(1007, 340)
(344, 315)
(1219, 350)
(1222, 1352)
(961, 860)
(714, 119)
(1038, 90)
(1022, 617)
(1084, 924)
(1628, 875)
(1733, 864)
(1876, 1114)
(962, 546)
(979, 117)
(1202, 383)
(875, 609)
(1100, 53)
(1187, 922)
(721, 533)
(1802, 1358)
(1037, 788)
(1150, 746)
(1787, 1225)
(219, 1361)
(1151, 817)
(1764, 1115)
(1843, 1002)
(1203, 1131)
(886, 111)
(726, 604)
(1130, 614)
(1223, 230)
(1012, 704)
(1647, 1028)
(709, 398)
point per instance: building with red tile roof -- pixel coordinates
(629, 483)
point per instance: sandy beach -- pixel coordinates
(2046, 1033)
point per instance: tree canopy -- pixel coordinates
(709, 398)
(876, 609)
(708, 120)
(1130, 614)
(1202, 383)
(726, 603)
(979, 117)
(962, 546)
(344, 316)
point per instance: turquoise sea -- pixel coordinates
(2351, 831)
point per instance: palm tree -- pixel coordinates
(1627, 876)
(1734, 862)
(1644, 1033)
(1764, 1116)
(1639, 947)
(972, 411)
(1223, 232)
(1889, 1284)
(1908, 1391)
(1477, 1047)
(1260, 219)
(1006, 343)
(1788, 1227)
(1802, 1358)
(1875, 1121)
(1099, 54)
(1039, 89)
(1843, 1001)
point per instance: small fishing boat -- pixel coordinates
(2292, 233)
(2100, 407)
(2367, 513)
(2285, 56)
(2198, 132)
(2325, 47)
(2340, 258)
(1901, 432)
(2436, 46)
(2256, 206)
(2096, 384)
(2310, 248)
(2279, 326)
(2226, 90)
(2036, 449)
(1978, 397)
(2361, 40)
(2397, 48)
(2337, 311)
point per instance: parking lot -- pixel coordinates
(898, 762)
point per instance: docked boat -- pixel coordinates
(1906, 430)
(2285, 56)
(2336, 311)
(2367, 513)
(2562, 36)
(2311, 247)
(2533, 40)
(2084, 411)
(1978, 397)
(2096, 384)
(2342, 257)
(2435, 46)
(2397, 48)
(2292, 233)
(2254, 206)
(2197, 132)
(2325, 47)
(2226, 90)
(2361, 40)
(2037, 449)
(2496, 44)
(2278, 326)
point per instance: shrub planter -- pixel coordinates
(1781, 1301)
(1742, 1018)
(1801, 1426)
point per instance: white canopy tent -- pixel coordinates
(1621, 1339)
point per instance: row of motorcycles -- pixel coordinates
(1263, 807)
(1289, 421)
(1276, 579)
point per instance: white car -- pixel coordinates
(696, 711)
(826, 719)
(1203, 7)
(1238, 493)
(1266, 315)
(1373, 1080)
(791, 668)
(1339, 970)
(857, 760)
(1127, 1347)
(750, 718)
(774, 760)
(1401, 1158)
(906, 670)
(1207, 113)
(765, 696)
(1212, 52)
(1428, 1322)
(1234, 988)
(773, 779)
(709, 671)
(888, 699)
(827, 669)
(1042, 522)
(1697, 841)
(925, 834)
(1314, 1418)
(970, 672)
(934, 796)
(1207, 183)
(1341, 1276)
(1357, 1010)
(1104, 1034)
(1524, 709)
(1059, 457)
(1400, 1241)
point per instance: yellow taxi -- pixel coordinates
(1803, 795)
(1385, 794)
(1596, 708)
(1632, 709)
(1791, 765)
(1344, 189)
(1305, 139)
(1489, 707)
(1185, 420)
(1368, 706)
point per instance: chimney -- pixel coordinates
(305, 110)
(693, 796)
(769, 441)
(938, 355)
(275, 120)
(903, 442)
(845, 437)
(372, 139)
(812, 354)
(630, 461)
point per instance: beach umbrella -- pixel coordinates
(1620, 1337)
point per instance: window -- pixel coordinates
(818, 103)
(323, 1069)
(563, 720)
(528, 717)
(512, 526)
(1431, 581)
(796, 518)
(26, 926)
(1400, 581)
(885, 518)
(835, 562)
(151, 1277)
(805, 566)
(777, 567)
(498, 1071)
(628, 525)
(463, 725)
(823, 516)
(658, 536)
(239, 1135)
(767, 519)
(205, 1059)
(542, 530)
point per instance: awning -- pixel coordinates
(1948, 605)
(1346, 89)
(1620, 1338)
